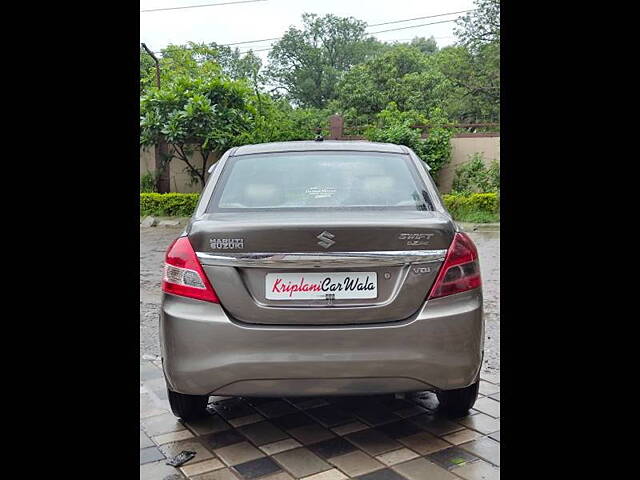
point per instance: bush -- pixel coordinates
(477, 207)
(168, 204)
(147, 183)
(395, 126)
(475, 177)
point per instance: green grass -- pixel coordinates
(471, 216)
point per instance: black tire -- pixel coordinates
(188, 407)
(456, 403)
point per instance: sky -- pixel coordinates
(267, 19)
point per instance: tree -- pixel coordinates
(475, 82)
(199, 59)
(402, 74)
(306, 64)
(480, 27)
(395, 126)
(425, 45)
(195, 116)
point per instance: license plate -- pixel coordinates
(316, 286)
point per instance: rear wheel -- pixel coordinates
(188, 407)
(456, 403)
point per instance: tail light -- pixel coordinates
(460, 270)
(183, 274)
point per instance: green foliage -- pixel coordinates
(402, 74)
(278, 121)
(477, 207)
(147, 183)
(395, 126)
(168, 204)
(475, 177)
(196, 115)
(307, 63)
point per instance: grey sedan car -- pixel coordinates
(321, 268)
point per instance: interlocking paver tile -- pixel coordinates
(222, 474)
(233, 408)
(159, 424)
(145, 441)
(208, 424)
(278, 476)
(401, 428)
(485, 448)
(424, 443)
(172, 449)
(479, 470)
(410, 411)
(150, 454)
(149, 407)
(172, 437)
(490, 377)
(356, 463)
(451, 457)
(330, 415)
(495, 436)
(376, 416)
(293, 420)
(281, 446)
(386, 474)
(248, 420)
(373, 442)
(301, 462)
(257, 468)
(159, 470)
(495, 396)
(435, 424)
(158, 386)
(309, 434)
(222, 439)
(421, 469)
(481, 422)
(148, 371)
(332, 447)
(462, 436)
(349, 428)
(397, 456)
(275, 408)
(489, 406)
(202, 467)
(238, 453)
(394, 404)
(332, 474)
(262, 433)
(487, 388)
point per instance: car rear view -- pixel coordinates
(321, 268)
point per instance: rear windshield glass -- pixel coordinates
(315, 180)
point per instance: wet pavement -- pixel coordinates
(155, 240)
(369, 438)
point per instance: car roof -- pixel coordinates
(319, 146)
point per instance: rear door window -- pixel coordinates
(317, 180)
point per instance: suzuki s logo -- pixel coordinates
(325, 239)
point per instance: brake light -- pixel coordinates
(183, 274)
(460, 270)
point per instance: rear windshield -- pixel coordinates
(318, 180)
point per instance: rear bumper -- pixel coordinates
(205, 352)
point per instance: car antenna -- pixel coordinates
(319, 137)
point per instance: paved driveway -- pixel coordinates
(371, 438)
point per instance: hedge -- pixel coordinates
(477, 207)
(168, 204)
